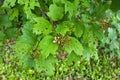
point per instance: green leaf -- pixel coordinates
(29, 13)
(4, 21)
(42, 26)
(118, 53)
(85, 18)
(62, 28)
(101, 8)
(90, 51)
(78, 29)
(97, 31)
(25, 42)
(69, 7)
(27, 6)
(55, 13)
(2, 35)
(118, 15)
(86, 3)
(72, 58)
(46, 65)
(9, 3)
(1, 43)
(26, 60)
(114, 45)
(11, 32)
(112, 33)
(59, 1)
(33, 3)
(115, 5)
(13, 13)
(74, 45)
(23, 2)
(1, 61)
(28, 37)
(88, 34)
(47, 46)
(29, 3)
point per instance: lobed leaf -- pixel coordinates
(47, 46)
(74, 45)
(42, 26)
(55, 12)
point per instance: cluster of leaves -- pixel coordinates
(58, 38)
(111, 40)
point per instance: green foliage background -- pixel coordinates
(59, 39)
